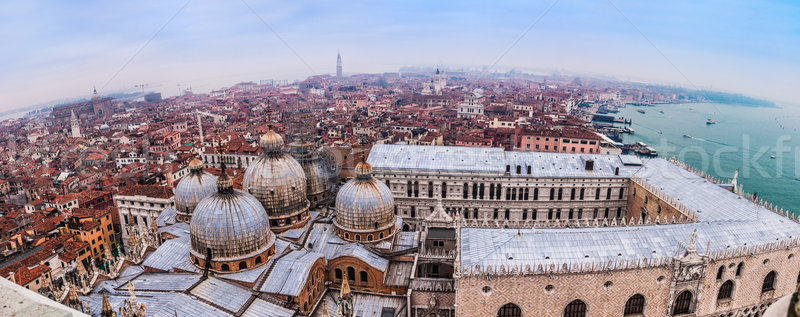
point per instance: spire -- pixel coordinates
(224, 182)
(345, 290)
(107, 311)
(338, 65)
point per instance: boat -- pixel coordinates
(662, 111)
(772, 156)
(660, 132)
(710, 121)
(640, 110)
(687, 136)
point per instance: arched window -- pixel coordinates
(337, 275)
(683, 303)
(720, 272)
(576, 308)
(351, 274)
(405, 228)
(519, 169)
(369, 238)
(242, 265)
(358, 237)
(363, 277)
(509, 310)
(739, 269)
(226, 268)
(726, 290)
(769, 282)
(444, 190)
(634, 305)
(258, 260)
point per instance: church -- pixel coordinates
(452, 231)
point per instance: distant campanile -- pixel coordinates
(338, 65)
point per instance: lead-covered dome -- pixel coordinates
(233, 226)
(364, 207)
(192, 188)
(278, 181)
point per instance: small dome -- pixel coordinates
(363, 170)
(232, 224)
(104, 127)
(195, 164)
(271, 142)
(192, 188)
(364, 205)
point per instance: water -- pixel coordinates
(743, 138)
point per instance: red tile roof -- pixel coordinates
(153, 191)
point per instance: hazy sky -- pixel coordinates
(61, 49)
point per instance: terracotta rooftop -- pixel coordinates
(152, 191)
(24, 275)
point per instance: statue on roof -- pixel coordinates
(345, 302)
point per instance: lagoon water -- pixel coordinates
(743, 138)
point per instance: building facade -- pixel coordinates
(140, 205)
(489, 184)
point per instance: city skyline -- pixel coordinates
(61, 50)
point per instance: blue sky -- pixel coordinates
(53, 50)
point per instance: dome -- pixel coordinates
(234, 226)
(192, 188)
(104, 127)
(364, 207)
(278, 181)
(320, 173)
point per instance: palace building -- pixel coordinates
(673, 242)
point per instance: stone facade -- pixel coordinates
(505, 198)
(606, 293)
(139, 210)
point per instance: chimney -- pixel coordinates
(589, 165)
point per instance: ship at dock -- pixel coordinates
(639, 148)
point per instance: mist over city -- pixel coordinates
(353, 159)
